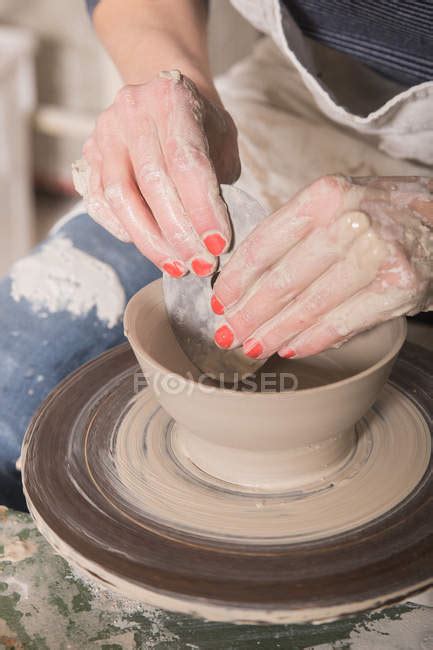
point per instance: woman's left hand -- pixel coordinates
(341, 256)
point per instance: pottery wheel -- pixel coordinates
(110, 488)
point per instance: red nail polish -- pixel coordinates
(255, 350)
(201, 267)
(224, 337)
(289, 354)
(217, 306)
(175, 269)
(215, 244)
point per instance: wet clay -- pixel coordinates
(260, 438)
(238, 419)
(360, 476)
(226, 552)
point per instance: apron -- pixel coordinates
(304, 110)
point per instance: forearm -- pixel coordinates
(144, 37)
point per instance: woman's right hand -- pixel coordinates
(152, 169)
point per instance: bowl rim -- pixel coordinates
(137, 349)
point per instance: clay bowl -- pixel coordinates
(275, 439)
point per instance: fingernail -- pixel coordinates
(253, 348)
(217, 306)
(289, 354)
(201, 267)
(215, 243)
(224, 337)
(175, 269)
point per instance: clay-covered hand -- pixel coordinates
(151, 173)
(341, 256)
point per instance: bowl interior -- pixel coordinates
(149, 332)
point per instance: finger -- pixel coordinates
(297, 270)
(158, 189)
(125, 200)
(361, 312)
(343, 280)
(186, 152)
(314, 340)
(161, 195)
(315, 206)
(86, 175)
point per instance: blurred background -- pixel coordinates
(54, 80)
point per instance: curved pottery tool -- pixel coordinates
(188, 301)
(293, 506)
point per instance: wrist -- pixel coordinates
(141, 63)
(141, 51)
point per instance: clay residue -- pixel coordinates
(18, 550)
(8, 638)
(413, 629)
(60, 277)
(376, 478)
(45, 605)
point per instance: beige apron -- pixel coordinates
(304, 110)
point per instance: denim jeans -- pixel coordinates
(52, 321)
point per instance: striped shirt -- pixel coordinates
(393, 37)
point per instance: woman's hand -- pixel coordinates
(152, 171)
(341, 256)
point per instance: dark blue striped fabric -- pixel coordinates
(394, 37)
